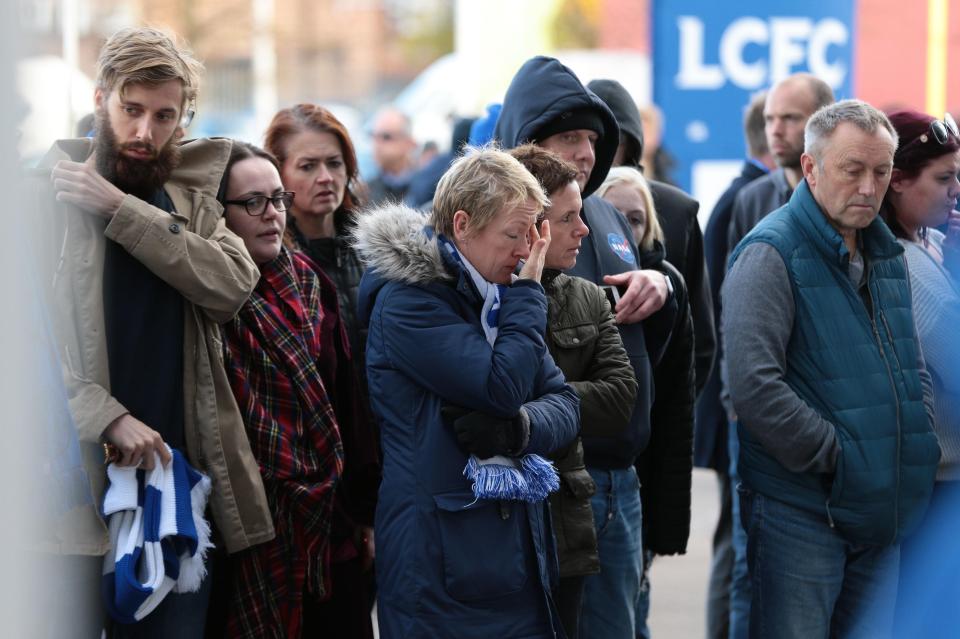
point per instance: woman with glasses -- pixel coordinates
(923, 195)
(318, 163)
(281, 355)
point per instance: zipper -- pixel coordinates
(896, 497)
(896, 395)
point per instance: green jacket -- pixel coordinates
(586, 345)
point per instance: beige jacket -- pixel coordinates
(193, 251)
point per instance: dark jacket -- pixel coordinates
(856, 363)
(665, 467)
(586, 345)
(677, 213)
(447, 563)
(544, 90)
(710, 433)
(357, 492)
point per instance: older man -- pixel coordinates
(837, 452)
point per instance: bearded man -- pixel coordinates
(146, 273)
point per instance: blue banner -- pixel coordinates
(710, 56)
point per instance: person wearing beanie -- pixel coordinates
(547, 104)
(481, 131)
(677, 213)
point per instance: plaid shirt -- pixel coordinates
(280, 355)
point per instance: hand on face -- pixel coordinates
(540, 242)
(81, 185)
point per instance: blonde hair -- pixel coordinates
(483, 182)
(144, 55)
(629, 176)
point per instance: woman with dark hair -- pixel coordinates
(922, 195)
(281, 354)
(318, 163)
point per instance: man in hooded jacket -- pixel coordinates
(548, 105)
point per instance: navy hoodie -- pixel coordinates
(542, 91)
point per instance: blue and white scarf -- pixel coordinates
(159, 537)
(530, 478)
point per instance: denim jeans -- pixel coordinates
(808, 582)
(610, 598)
(643, 602)
(739, 575)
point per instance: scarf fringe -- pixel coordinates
(529, 479)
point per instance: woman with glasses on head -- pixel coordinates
(281, 354)
(923, 195)
(318, 163)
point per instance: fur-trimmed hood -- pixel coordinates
(391, 240)
(395, 245)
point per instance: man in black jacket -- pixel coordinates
(547, 104)
(665, 484)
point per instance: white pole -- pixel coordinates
(264, 63)
(69, 35)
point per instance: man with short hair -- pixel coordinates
(147, 271)
(710, 442)
(393, 153)
(837, 451)
(788, 106)
(548, 105)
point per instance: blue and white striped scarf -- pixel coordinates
(530, 478)
(159, 537)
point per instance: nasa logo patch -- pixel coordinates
(621, 247)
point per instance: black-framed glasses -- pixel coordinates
(256, 205)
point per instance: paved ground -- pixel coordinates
(679, 584)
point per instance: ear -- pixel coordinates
(100, 99)
(898, 183)
(809, 167)
(461, 221)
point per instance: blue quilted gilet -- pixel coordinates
(858, 369)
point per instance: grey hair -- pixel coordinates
(825, 121)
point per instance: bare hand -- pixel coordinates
(79, 184)
(533, 267)
(136, 442)
(368, 550)
(646, 294)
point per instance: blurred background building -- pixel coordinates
(699, 60)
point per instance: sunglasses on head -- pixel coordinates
(941, 130)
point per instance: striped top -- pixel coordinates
(936, 305)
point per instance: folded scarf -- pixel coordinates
(531, 477)
(159, 537)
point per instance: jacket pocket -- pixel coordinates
(836, 488)
(482, 546)
(574, 514)
(577, 336)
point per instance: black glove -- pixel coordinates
(485, 436)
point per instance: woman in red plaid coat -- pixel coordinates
(285, 354)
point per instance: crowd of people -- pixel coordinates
(465, 393)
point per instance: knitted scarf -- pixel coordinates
(529, 478)
(278, 351)
(158, 536)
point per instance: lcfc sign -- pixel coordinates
(709, 56)
(790, 44)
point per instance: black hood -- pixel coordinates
(543, 90)
(624, 110)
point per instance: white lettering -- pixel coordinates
(786, 45)
(735, 39)
(828, 32)
(693, 73)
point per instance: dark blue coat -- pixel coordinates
(447, 565)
